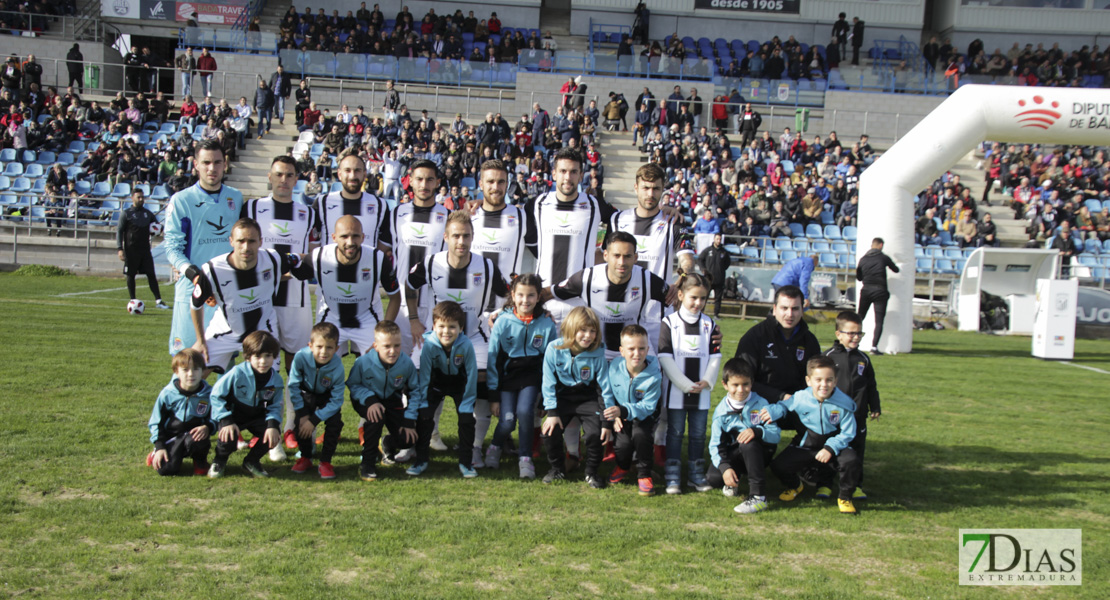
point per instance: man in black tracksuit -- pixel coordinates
(871, 270)
(778, 349)
(714, 262)
(133, 245)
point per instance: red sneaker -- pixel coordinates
(647, 486)
(326, 471)
(617, 475)
(200, 468)
(302, 465)
(361, 436)
(610, 455)
(254, 440)
(290, 440)
(660, 455)
(150, 459)
(320, 439)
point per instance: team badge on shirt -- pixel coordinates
(398, 380)
(537, 341)
(439, 217)
(202, 409)
(230, 203)
(326, 382)
(178, 345)
(366, 274)
(584, 373)
(754, 416)
(634, 293)
(834, 417)
(267, 395)
(370, 208)
(510, 220)
(302, 215)
(477, 278)
(638, 394)
(266, 275)
(859, 369)
(458, 360)
(800, 353)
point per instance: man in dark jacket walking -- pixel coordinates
(871, 270)
(281, 84)
(264, 106)
(715, 261)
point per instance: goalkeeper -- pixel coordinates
(198, 225)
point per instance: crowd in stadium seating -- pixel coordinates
(773, 187)
(391, 142)
(444, 36)
(1055, 67)
(25, 16)
(772, 59)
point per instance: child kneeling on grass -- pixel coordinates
(574, 372)
(377, 381)
(181, 422)
(632, 407)
(740, 441)
(448, 367)
(249, 397)
(828, 416)
(316, 384)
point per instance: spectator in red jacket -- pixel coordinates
(494, 24)
(206, 66)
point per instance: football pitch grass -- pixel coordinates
(975, 434)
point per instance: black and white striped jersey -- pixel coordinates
(244, 297)
(564, 234)
(370, 210)
(616, 304)
(417, 233)
(690, 345)
(474, 287)
(655, 240)
(349, 293)
(499, 236)
(286, 228)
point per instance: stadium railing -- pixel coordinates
(228, 40)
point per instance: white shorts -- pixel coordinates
(407, 343)
(481, 350)
(294, 324)
(360, 338)
(220, 350)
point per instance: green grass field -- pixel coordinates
(975, 434)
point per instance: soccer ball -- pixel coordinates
(156, 228)
(135, 307)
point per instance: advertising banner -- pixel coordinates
(219, 14)
(120, 9)
(790, 7)
(159, 10)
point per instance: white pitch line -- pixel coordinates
(90, 292)
(1086, 367)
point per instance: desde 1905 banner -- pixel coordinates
(763, 6)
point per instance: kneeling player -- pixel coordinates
(377, 381)
(181, 423)
(740, 441)
(316, 390)
(828, 417)
(249, 397)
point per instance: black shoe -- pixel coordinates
(595, 482)
(255, 469)
(216, 470)
(876, 352)
(367, 472)
(553, 476)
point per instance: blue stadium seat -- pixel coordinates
(945, 266)
(1093, 205)
(796, 230)
(800, 245)
(46, 158)
(101, 190)
(21, 185)
(5, 183)
(122, 190)
(828, 260)
(919, 251)
(813, 232)
(13, 169)
(83, 187)
(1106, 246)
(953, 253)
(924, 265)
(65, 159)
(468, 182)
(1087, 260)
(34, 171)
(7, 155)
(782, 243)
(820, 246)
(788, 255)
(946, 239)
(28, 156)
(7, 199)
(841, 248)
(771, 256)
(935, 251)
(832, 232)
(76, 147)
(827, 218)
(160, 192)
(1091, 246)
(38, 186)
(751, 253)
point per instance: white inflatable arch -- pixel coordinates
(972, 114)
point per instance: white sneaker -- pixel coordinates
(527, 468)
(404, 456)
(730, 491)
(277, 454)
(674, 488)
(476, 459)
(162, 305)
(243, 444)
(436, 443)
(753, 504)
(493, 457)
